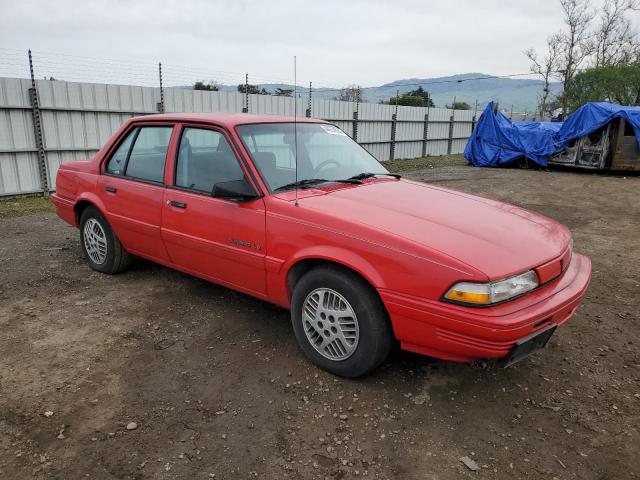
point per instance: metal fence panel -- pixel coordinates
(346, 127)
(77, 118)
(437, 147)
(379, 150)
(16, 130)
(19, 173)
(372, 132)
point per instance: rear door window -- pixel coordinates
(142, 154)
(149, 152)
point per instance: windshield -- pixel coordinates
(325, 153)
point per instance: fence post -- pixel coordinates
(355, 116)
(425, 134)
(160, 105)
(394, 120)
(308, 113)
(355, 126)
(245, 109)
(450, 139)
(43, 165)
(394, 123)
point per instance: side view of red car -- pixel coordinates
(298, 214)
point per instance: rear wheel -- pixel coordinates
(340, 322)
(102, 249)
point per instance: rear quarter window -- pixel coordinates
(118, 161)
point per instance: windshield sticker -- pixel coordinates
(333, 130)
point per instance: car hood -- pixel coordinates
(495, 238)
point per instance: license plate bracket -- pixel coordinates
(525, 347)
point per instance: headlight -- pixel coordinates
(470, 293)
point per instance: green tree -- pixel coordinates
(618, 84)
(252, 89)
(283, 92)
(211, 86)
(459, 106)
(415, 98)
(422, 93)
(407, 100)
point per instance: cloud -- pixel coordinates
(336, 42)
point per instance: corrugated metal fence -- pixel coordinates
(77, 118)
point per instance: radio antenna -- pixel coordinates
(295, 123)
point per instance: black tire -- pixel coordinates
(117, 258)
(375, 334)
(524, 163)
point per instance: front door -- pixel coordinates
(217, 238)
(132, 189)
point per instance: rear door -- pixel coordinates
(220, 239)
(132, 189)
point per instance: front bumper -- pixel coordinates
(464, 334)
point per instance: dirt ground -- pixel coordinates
(218, 389)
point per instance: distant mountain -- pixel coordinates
(521, 94)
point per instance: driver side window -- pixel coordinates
(204, 159)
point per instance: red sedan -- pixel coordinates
(300, 215)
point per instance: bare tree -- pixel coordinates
(576, 43)
(615, 40)
(350, 94)
(547, 67)
(609, 41)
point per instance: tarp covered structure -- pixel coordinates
(497, 141)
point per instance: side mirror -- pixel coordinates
(238, 190)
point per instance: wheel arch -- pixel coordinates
(379, 338)
(303, 265)
(86, 201)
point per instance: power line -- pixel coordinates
(134, 67)
(83, 68)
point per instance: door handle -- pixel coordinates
(111, 189)
(176, 204)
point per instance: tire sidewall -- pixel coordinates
(108, 265)
(374, 329)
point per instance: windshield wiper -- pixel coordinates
(309, 182)
(364, 175)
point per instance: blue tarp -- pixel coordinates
(497, 141)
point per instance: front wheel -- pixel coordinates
(340, 322)
(102, 249)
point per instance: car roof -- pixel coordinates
(225, 118)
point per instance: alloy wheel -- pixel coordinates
(330, 324)
(95, 241)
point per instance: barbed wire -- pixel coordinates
(81, 68)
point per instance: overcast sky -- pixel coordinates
(336, 42)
